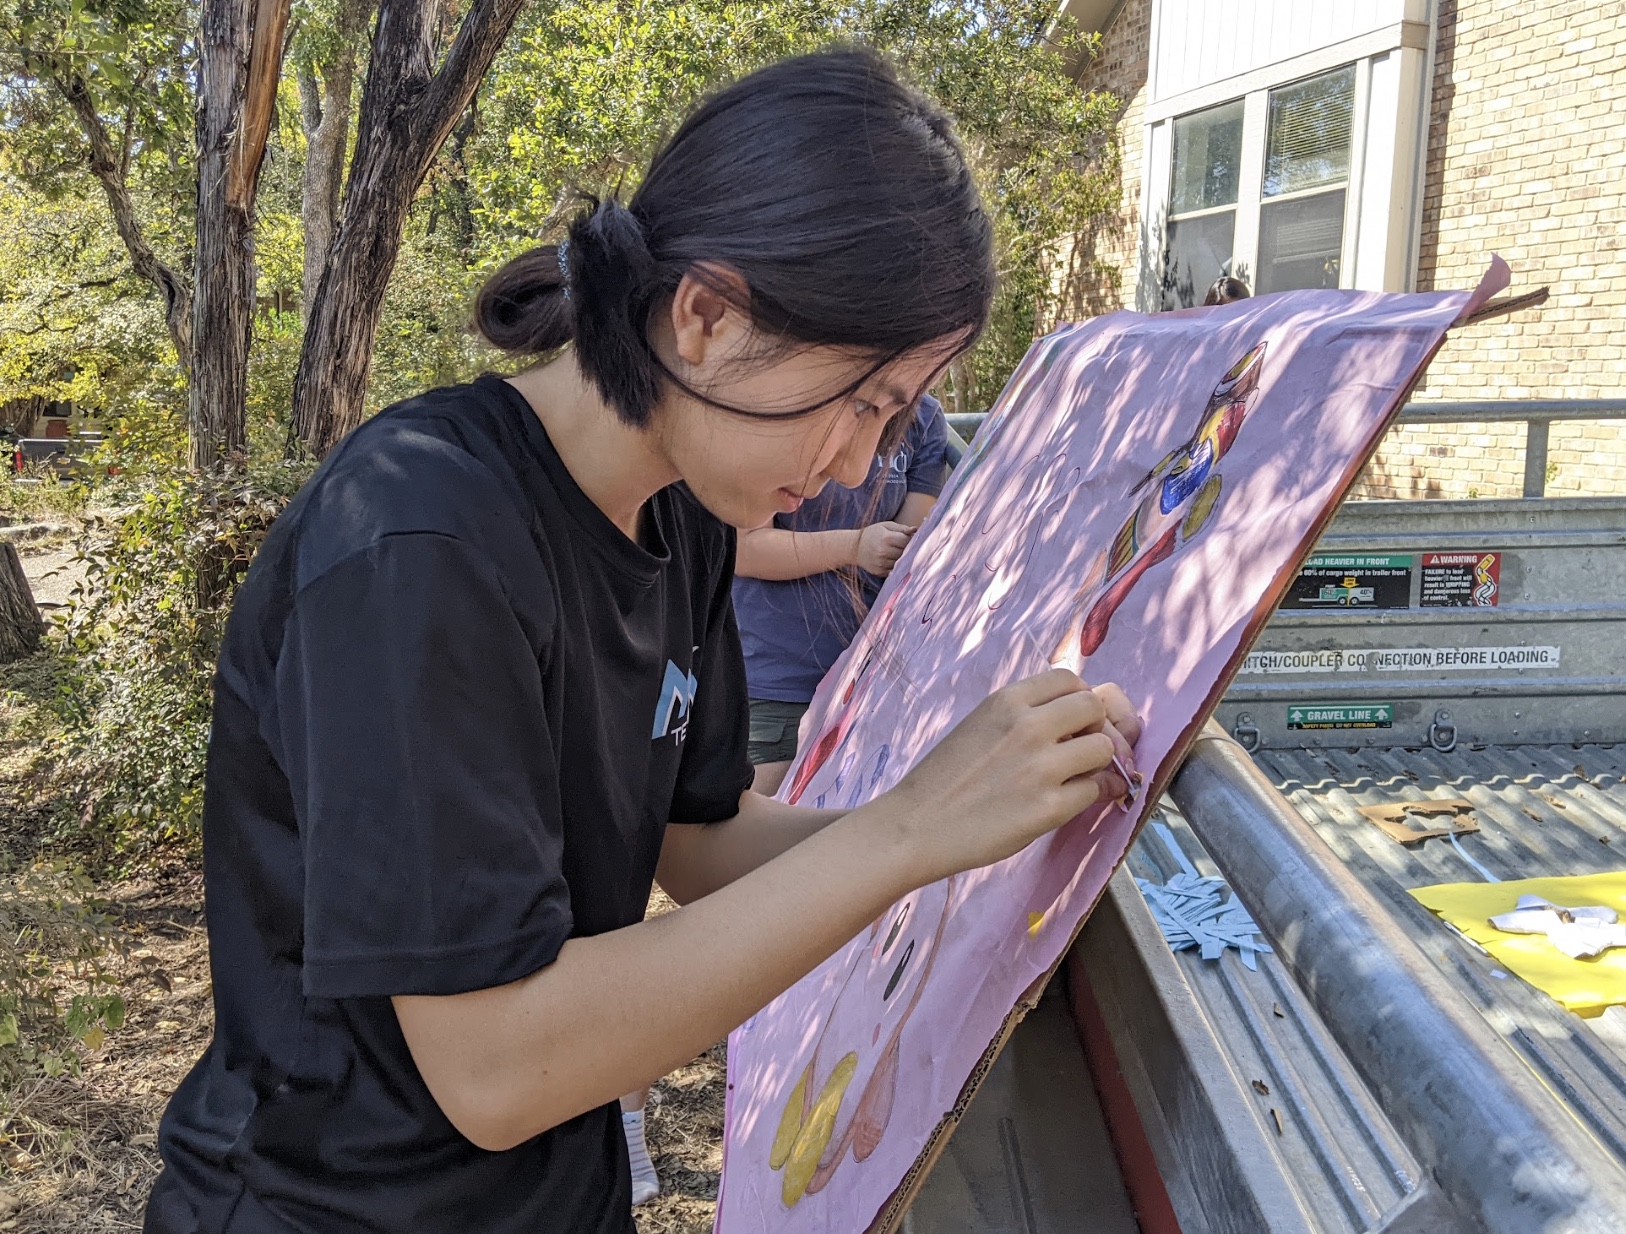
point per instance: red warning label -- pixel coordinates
(1460, 580)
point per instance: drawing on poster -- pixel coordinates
(1181, 494)
(1135, 507)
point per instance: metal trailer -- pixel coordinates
(1376, 1071)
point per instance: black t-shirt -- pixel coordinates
(456, 709)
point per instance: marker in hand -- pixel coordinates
(1123, 757)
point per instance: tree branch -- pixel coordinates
(107, 166)
(127, 142)
(562, 203)
(325, 111)
(408, 109)
(478, 40)
(259, 101)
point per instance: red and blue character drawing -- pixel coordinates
(1177, 501)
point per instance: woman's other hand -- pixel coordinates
(880, 545)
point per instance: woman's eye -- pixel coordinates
(867, 409)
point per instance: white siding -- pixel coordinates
(1198, 42)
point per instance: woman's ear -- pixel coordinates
(706, 320)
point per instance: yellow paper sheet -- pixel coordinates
(1586, 987)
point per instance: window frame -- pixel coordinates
(1250, 203)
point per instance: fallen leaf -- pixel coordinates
(1260, 1087)
(1276, 1008)
(1278, 1119)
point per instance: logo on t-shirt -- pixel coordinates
(678, 689)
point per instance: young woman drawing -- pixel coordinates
(483, 684)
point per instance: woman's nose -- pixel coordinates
(850, 467)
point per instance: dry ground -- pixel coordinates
(78, 1154)
(52, 572)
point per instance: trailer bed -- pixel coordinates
(1032, 1154)
(1257, 1119)
(1543, 811)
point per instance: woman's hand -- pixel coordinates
(880, 545)
(1029, 758)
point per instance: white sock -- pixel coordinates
(646, 1184)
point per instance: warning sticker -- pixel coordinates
(1341, 715)
(1359, 580)
(1460, 580)
(1401, 659)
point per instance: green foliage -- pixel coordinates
(272, 362)
(75, 324)
(44, 498)
(587, 89)
(1044, 150)
(424, 338)
(142, 639)
(134, 59)
(56, 994)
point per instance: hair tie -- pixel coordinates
(564, 266)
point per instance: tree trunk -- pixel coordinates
(20, 623)
(960, 374)
(240, 62)
(325, 92)
(108, 165)
(407, 111)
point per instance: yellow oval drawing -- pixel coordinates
(814, 1135)
(790, 1122)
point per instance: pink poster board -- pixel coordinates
(1137, 502)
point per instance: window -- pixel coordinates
(1269, 208)
(1202, 211)
(1307, 148)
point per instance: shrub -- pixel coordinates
(56, 995)
(140, 640)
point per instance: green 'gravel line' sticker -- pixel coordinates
(1341, 715)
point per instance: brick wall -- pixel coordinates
(1098, 271)
(1526, 158)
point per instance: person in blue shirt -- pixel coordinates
(803, 583)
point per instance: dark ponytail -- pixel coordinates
(839, 194)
